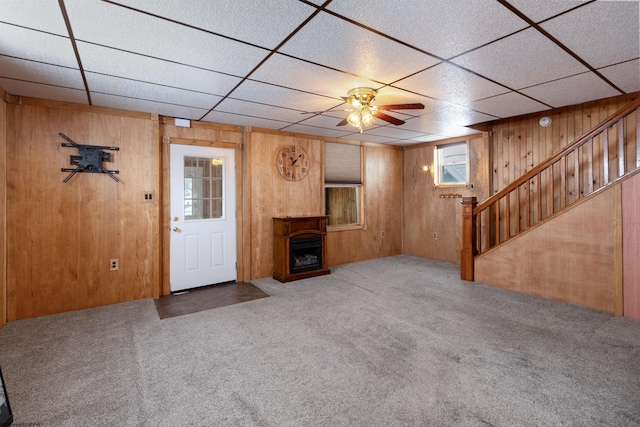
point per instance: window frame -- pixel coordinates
(360, 192)
(438, 151)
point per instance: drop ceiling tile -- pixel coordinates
(420, 124)
(506, 105)
(392, 95)
(425, 138)
(36, 46)
(572, 90)
(42, 91)
(283, 97)
(296, 74)
(452, 84)
(538, 10)
(626, 75)
(328, 121)
(168, 110)
(247, 20)
(420, 22)
(240, 120)
(521, 60)
(368, 137)
(117, 27)
(341, 45)
(36, 14)
(150, 92)
(102, 60)
(602, 33)
(37, 72)
(259, 110)
(315, 131)
(460, 116)
(392, 131)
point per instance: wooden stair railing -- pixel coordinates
(551, 186)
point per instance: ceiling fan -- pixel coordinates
(363, 112)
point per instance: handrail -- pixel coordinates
(496, 223)
(621, 114)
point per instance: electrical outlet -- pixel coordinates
(113, 264)
(382, 234)
(148, 197)
(435, 236)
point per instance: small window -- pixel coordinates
(342, 182)
(451, 165)
(341, 204)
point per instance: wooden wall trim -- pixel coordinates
(203, 143)
(3, 211)
(246, 206)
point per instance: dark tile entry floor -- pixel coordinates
(206, 298)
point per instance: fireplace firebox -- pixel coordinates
(305, 253)
(299, 248)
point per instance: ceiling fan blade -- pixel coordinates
(416, 106)
(342, 122)
(388, 118)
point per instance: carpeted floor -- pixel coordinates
(398, 341)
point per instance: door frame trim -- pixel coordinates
(166, 204)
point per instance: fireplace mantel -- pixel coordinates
(308, 236)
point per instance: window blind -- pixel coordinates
(342, 163)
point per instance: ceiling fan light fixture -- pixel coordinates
(367, 117)
(354, 119)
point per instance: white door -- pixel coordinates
(203, 216)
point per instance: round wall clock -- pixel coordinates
(292, 162)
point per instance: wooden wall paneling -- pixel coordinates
(418, 194)
(274, 196)
(631, 246)
(247, 205)
(64, 234)
(569, 259)
(165, 221)
(3, 210)
(141, 149)
(426, 213)
(383, 210)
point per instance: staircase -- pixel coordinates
(610, 151)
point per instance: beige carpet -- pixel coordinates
(399, 341)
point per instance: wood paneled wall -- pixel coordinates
(631, 246)
(426, 212)
(3, 210)
(269, 195)
(574, 258)
(382, 211)
(519, 144)
(61, 236)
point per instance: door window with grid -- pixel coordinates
(203, 188)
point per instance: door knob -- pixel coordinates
(177, 229)
(175, 219)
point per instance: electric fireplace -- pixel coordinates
(299, 248)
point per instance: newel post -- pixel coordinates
(469, 249)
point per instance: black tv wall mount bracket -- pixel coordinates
(89, 160)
